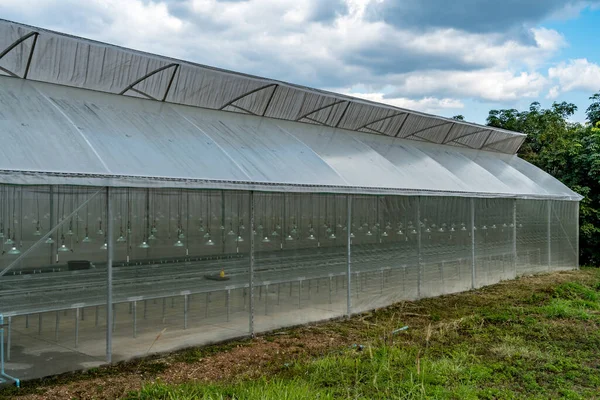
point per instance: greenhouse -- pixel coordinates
(149, 204)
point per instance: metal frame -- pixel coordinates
(2, 372)
(335, 103)
(549, 235)
(230, 103)
(48, 234)
(251, 269)
(148, 75)
(349, 254)
(29, 58)
(426, 129)
(295, 90)
(463, 136)
(473, 260)
(109, 275)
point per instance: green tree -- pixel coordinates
(593, 111)
(459, 117)
(569, 151)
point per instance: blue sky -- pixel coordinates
(460, 57)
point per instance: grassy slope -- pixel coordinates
(543, 344)
(535, 337)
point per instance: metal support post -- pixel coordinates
(514, 234)
(472, 243)
(8, 338)
(56, 326)
(577, 235)
(251, 270)
(349, 254)
(227, 301)
(2, 372)
(109, 277)
(77, 327)
(549, 235)
(185, 311)
(419, 255)
(266, 298)
(134, 317)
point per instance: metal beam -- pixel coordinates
(242, 109)
(379, 120)
(448, 133)
(499, 141)
(270, 99)
(343, 114)
(18, 42)
(315, 121)
(143, 93)
(170, 82)
(402, 125)
(465, 135)
(148, 75)
(426, 129)
(9, 72)
(320, 109)
(247, 94)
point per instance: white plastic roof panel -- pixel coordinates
(410, 162)
(506, 173)
(357, 163)
(469, 172)
(59, 135)
(263, 151)
(37, 54)
(36, 136)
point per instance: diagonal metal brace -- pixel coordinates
(47, 235)
(15, 44)
(258, 89)
(151, 73)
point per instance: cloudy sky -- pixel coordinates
(439, 56)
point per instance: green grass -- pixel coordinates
(517, 344)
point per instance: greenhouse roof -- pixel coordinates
(45, 56)
(56, 134)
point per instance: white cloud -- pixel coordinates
(487, 84)
(324, 44)
(579, 74)
(425, 104)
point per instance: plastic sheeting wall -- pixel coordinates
(287, 259)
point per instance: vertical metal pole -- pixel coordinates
(109, 276)
(472, 243)
(577, 235)
(51, 201)
(77, 327)
(549, 235)
(251, 271)
(134, 317)
(56, 326)
(514, 234)
(419, 255)
(185, 311)
(8, 338)
(349, 254)
(228, 303)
